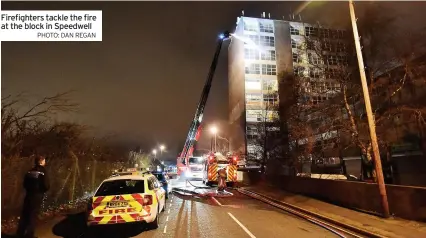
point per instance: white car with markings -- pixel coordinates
(127, 198)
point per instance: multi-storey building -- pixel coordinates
(260, 50)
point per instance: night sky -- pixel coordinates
(144, 80)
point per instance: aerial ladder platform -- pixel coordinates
(195, 126)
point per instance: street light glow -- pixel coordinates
(162, 147)
(154, 152)
(213, 129)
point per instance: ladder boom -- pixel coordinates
(196, 122)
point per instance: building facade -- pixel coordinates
(260, 50)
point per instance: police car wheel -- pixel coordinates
(154, 224)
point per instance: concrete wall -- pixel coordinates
(283, 47)
(404, 201)
(237, 93)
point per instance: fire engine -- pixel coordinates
(216, 162)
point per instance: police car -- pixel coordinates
(126, 198)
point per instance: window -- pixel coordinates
(318, 99)
(157, 183)
(311, 31)
(268, 55)
(254, 115)
(324, 33)
(267, 41)
(271, 115)
(255, 39)
(122, 186)
(340, 47)
(335, 34)
(297, 58)
(250, 26)
(296, 45)
(327, 46)
(314, 73)
(293, 44)
(269, 69)
(332, 60)
(252, 132)
(266, 27)
(253, 97)
(294, 31)
(318, 87)
(270, 99)
(310, 45)
(251, 54)
(151, 185)
(195, 160)
(314, 59)
(336, 60)
(253, 69)
(299, 71)
(253, 85)
(270, 85)
(331, 73)
(334, 87)
(252, 136)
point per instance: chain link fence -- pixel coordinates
(71, 181)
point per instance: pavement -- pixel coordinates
(392, 227)
(234, 215)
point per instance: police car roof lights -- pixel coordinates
(130, 171)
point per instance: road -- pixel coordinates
(189, 216)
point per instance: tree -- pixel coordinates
(264, 135)
(393, 70)
(18, 126)
(143, 160)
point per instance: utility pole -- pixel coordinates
(370, 117)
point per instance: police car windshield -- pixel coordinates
(123, 186)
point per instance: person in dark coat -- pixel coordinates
(36, 184)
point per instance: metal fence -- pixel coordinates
(70, 181)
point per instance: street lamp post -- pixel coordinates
(370, 117)
(214, 131)
(155, 153)
(162, 147)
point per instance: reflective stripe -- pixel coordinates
(212, 173)
(135, 211)
(232, 169)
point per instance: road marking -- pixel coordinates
(168, 211)
(241, 225)
(165, 229)
(216, 201)
(167, 218)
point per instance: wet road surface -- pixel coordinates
(188, 216)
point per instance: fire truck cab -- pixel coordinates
(214, 163)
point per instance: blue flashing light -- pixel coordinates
(221, 36)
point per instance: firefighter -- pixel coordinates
(222, 179)
(36, 184)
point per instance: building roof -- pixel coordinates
(294, 20)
